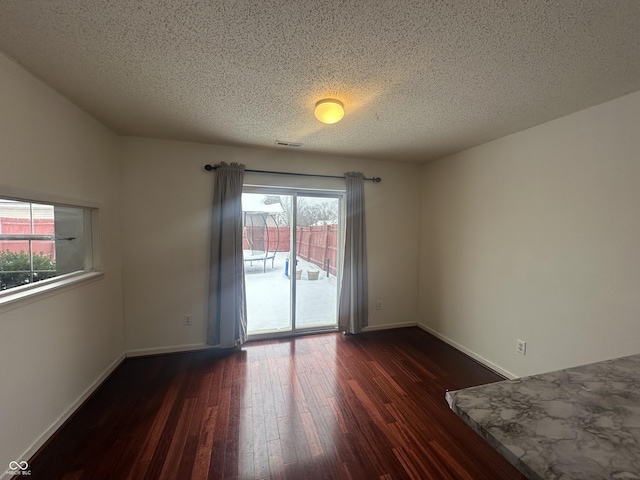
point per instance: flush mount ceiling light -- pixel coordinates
(329, 110)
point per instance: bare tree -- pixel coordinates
(311, 211)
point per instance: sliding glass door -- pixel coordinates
(291, 252)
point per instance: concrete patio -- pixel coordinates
(269, 293)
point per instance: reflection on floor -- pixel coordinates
(269, 294)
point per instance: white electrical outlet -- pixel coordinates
(379, 305)
(186, 320)
(521, 347)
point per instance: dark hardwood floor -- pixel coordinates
(315, 407)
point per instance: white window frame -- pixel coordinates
(24, 294)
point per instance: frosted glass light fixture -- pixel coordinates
(329, 110)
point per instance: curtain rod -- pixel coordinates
(372, 179)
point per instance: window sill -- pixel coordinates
(18, 297)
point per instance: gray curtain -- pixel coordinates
(227, 320)
(353, 310)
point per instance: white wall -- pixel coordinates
(53, 349)
(167, 196)
(536, 236)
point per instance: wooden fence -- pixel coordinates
(22, 226)
(317, 245)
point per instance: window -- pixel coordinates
(40, 241)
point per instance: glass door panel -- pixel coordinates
(317, 238)
(266, 248)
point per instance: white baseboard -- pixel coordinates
(468, 352)
(71, 409)
(388, 326)
(140, 352)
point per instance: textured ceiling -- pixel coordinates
(419, 79)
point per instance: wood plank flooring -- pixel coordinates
(323, 406)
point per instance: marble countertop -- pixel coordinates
(580, 423)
